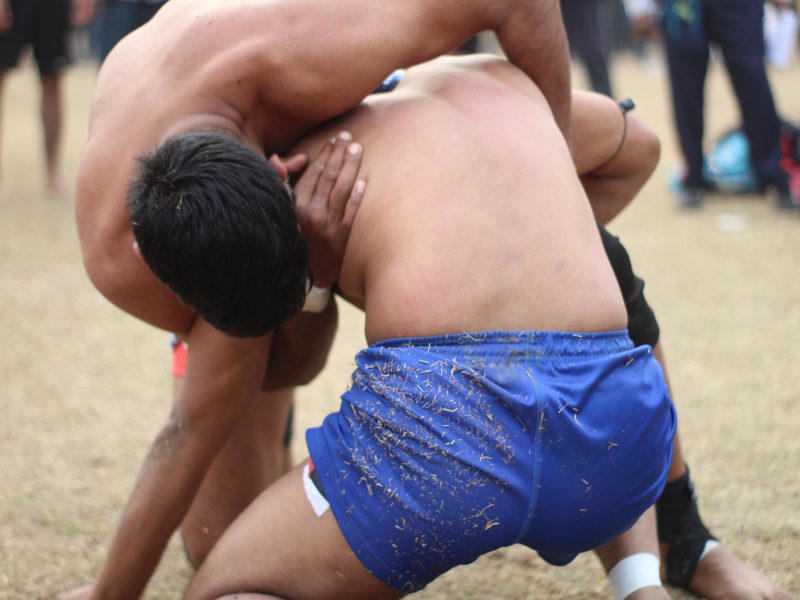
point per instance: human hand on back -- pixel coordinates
(328, 195)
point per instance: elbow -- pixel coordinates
(99, 266)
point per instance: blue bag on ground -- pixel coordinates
(727, 164)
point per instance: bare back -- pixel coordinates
(474, 218)
(265, 71)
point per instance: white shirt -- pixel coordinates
(640, 8)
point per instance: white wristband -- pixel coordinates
(317, 299)
(634, 572)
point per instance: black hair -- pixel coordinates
(216, 224)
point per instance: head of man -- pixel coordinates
(216, 224)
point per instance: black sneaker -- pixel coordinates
(783, 199)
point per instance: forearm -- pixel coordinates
(390, 35)
(533, 38)
(300, 348)
(165, 488)
(222, 378)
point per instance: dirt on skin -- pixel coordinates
(84, 388)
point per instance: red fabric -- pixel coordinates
(180, 356)
(789, 163)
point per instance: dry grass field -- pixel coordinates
(84, 387)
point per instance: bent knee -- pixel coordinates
(644, 144)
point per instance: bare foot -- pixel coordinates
(723, 575)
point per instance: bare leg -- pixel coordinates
(639, 538)
(677, 467)
(720, 574)
(278, 546)
(52, 120)
(253, 458)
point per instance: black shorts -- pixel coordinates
(43, 24)
(642, 324)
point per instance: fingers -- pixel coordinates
(329, 176)
(305, 186)
(353, 204)
(324, 189)
(295, 164)
(345, 182)
(328, 196)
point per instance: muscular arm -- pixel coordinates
(224, 374)
(533, 38)
(330, 55)
(199, 425)
(300, 348)
(611, 180)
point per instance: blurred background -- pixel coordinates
(84, 387)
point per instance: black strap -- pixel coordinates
(680, 526)
(625, 106)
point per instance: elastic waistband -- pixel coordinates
(560, 343)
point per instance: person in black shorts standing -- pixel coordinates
(44, 25)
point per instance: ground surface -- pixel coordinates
(84, 388)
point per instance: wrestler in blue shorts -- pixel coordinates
(448, 447)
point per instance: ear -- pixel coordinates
(136, 250)
(280, 166)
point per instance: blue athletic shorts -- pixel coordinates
(448, 447)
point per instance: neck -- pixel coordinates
(204, 122)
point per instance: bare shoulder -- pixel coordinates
(465, 80)
(189, 39)
(468, 70)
